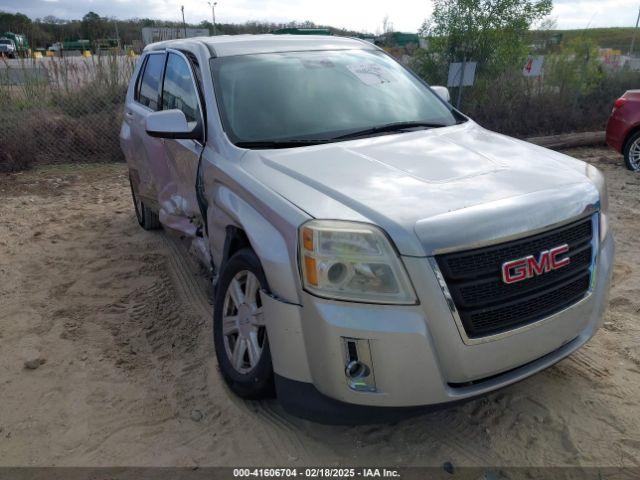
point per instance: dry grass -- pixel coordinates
(63, 109)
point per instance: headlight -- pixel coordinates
(599, 181)
(352, 261)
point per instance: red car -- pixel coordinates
(623, 128)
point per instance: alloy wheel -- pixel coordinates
(634, 155)
(243, 325)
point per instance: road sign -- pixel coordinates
(455, 72)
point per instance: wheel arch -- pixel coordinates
(630, 133)
(243, 226)
(235, 239)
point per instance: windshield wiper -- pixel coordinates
(389, 127)
(266, 144)
(305, 142)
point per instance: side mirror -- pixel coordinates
(442, 92)
(172, 124)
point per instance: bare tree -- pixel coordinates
(387, 24)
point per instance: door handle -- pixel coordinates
(129, 114)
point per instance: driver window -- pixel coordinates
(178, 89)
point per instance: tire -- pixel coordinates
(147, 218)
(632, 152)
(239, 330)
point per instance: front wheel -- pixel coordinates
(239, 329)
(632, 153)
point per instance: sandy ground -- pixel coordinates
(122, 320)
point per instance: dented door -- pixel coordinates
(179, 207)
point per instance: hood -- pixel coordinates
(406, 182)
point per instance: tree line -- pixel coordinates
(44, 31)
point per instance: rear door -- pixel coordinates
(147, 162)
(179, 207)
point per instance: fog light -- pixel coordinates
(358, 368)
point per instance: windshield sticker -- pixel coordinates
(316, 63)
(370, 73)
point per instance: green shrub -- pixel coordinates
(574, 94)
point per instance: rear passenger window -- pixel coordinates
(150, 84)
(178, 90)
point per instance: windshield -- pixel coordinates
(4, 41)
(320, 96)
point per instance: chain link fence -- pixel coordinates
(69, 109)
(61, 110)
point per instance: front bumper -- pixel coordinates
(418, 355)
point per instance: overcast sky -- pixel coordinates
(362, 15)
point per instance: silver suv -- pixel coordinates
(371, 246)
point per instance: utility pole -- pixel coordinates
(115, 22)
(184, 24)
(633, 39)
(462, 67)
(213, 15)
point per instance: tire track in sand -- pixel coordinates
(279, 434)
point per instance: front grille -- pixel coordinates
(488, 306)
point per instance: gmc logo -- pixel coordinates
(517, 270)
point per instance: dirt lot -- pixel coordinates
(122, 320)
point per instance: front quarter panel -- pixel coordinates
(270, 222)
(268, 243)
